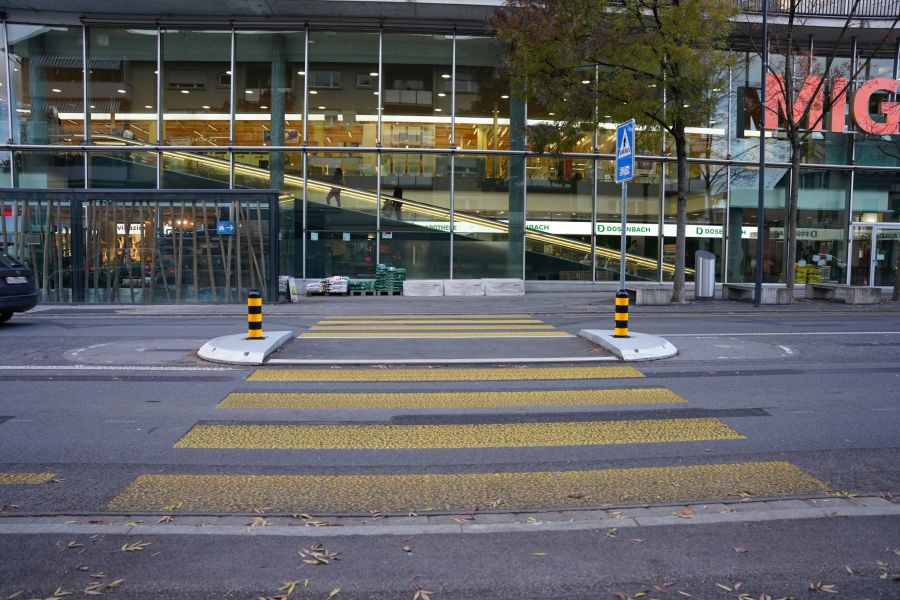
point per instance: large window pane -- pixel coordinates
(195, 170)
(489, 219)
(40, 169)
(482, 97)
(122, 90)
(706, 199)
(269, 83)
(416, 90)
(196, 87)
(122, 170)
(415, 217)
(558, 225)
(343, 104)
(642, 230)
(742, 234)
(46, 70)
(341, 189)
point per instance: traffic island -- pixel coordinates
(238, 349)
(635, 347)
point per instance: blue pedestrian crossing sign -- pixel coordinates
(625, 152)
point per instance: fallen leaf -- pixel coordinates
(637, 540)
(612, 532)
(724, 587)
(422, 594)
(166, 519)
(849, 570)
(59, 593)
(318, 555)
(135, 547)
(818, 586)
(685, 594)
(74, 544)
(289, 586)
(686, 513)
(131, 523)
(538, 554)
(334, 592)
(740, 549)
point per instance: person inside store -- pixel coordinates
(396, 203)
(335, 192)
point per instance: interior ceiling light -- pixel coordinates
(206, 107)
(505, 97)
(122, 91)
(313, 92)
(264, 107)
(446, 76)
(441, 94)
(585, 81)
(373, 74)
(145, 106)
(301, 72)
(56, 90)
(185, 92)
(321, 108)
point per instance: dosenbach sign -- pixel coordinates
(812, 94)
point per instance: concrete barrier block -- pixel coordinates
(464, 287)
(863, 295)
(423, 287)
(504, 287)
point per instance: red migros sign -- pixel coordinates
(812, 96)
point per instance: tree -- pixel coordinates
(658, 61)
(802, 89)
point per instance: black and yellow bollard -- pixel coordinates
(254, 316)
(621, 330)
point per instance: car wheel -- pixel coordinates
(4, 317)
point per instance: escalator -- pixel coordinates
(560, 250)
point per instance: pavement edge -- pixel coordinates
(238, 350)
(635, 347)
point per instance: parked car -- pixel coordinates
(17, 290)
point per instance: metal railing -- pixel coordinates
(888, 9)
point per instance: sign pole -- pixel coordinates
(622, 239)
(624, 174)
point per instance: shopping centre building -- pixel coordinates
(190, 152)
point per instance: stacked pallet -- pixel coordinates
(389, 279)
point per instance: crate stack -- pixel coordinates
(361, 285)
(335, 285)
(808, 274)
(389, 280)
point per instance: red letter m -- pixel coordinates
(809, 98)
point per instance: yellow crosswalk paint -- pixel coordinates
(458, 492)
(456, 374)
(479, 435)
(473, 333)
(330, 400)
(336, 322)
(25, 478)
(432, 326)
(431, 317)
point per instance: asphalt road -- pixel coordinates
(102, 400)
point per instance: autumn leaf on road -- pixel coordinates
(818, 586)
(334, 592)
(318, 555)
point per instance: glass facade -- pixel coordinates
(388, 147)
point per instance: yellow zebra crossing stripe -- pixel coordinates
(462, 492)
(432, 334)
(331, 400)
(25, 478)
(428, 317)
(394, 327)
(479, 435)
(431, 326)
(501, 374)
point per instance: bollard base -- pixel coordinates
(239, 350)
(636, 347)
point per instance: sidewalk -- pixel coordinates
(543, 303)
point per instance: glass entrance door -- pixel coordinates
(885, 260)
(875, 254)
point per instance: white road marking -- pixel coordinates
(757, 334)
(107, 368)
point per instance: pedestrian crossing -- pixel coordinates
(537, 419)
(449, 374)
(432, 326)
